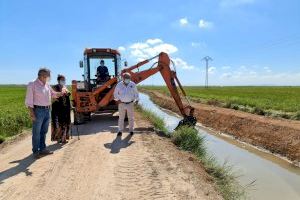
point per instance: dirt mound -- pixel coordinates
(276, 135)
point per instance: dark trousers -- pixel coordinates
(40, 129)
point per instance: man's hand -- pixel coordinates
(31, 113)
(32, 116)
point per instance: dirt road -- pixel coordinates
(103, 166)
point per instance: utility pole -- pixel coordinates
(206, 59)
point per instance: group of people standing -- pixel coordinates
(44, 101)
(39, 97)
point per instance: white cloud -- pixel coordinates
(267, 69)
(195, 44)
(212, 70)
(243, 72)
(243, 68)
(121, 48)
(139, 45)
(234, 3)
(154, 41)
(138, 54)
(287, 78)
(226, 75)
(182, 64)
(225, 67)
(140, 51)
(152, 47)
(167, 48)
(183, 21)
(203, 24)
(253, 75)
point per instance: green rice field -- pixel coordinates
(264, 100)
(13, 113)
(275, 101)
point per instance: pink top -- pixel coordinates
(39, 94)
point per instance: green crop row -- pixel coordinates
(13, 113)
(272, 101)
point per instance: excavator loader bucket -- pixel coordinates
(189, 121)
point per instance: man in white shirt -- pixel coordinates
(126, 94)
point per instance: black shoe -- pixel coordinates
(131, 133)
(46, 152)
(37, 155)
(119, 133)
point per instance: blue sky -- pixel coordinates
(252, 42)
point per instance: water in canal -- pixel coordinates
(274, 178)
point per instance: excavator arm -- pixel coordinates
(169, 76)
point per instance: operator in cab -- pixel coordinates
(126, 94)
(102, 73)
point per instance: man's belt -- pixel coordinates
(127, 102)
(42, 107)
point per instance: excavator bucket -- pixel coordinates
(189, 121)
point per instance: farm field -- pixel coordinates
(13, 113)
(274, 101)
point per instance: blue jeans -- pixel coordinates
(40, 129)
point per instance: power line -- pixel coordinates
(206, 59)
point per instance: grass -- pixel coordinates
(157, 122)
(262, 100)
(188, 139)
(13, 113)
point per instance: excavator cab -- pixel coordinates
(94, 77)
(95, 73)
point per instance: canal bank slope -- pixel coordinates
(279, 136)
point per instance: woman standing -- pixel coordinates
(60, 113)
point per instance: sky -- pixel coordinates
(251, 42)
